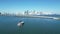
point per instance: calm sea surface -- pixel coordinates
(8, 25)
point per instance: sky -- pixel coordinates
(13, 6)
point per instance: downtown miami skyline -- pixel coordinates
(13, 6)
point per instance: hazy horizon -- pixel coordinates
(13, 6)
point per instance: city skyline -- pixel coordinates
(13, 6)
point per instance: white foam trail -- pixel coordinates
(55, 18)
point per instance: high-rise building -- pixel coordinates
(41, 13)
(26, 12)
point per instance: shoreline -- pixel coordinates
(30, 16)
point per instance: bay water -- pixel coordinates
(8, 25)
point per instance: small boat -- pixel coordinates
(21, 23)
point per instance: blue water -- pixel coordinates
(8, 25)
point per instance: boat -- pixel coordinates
(21, 23)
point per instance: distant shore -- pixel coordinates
(31, 16)
(46, 17)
